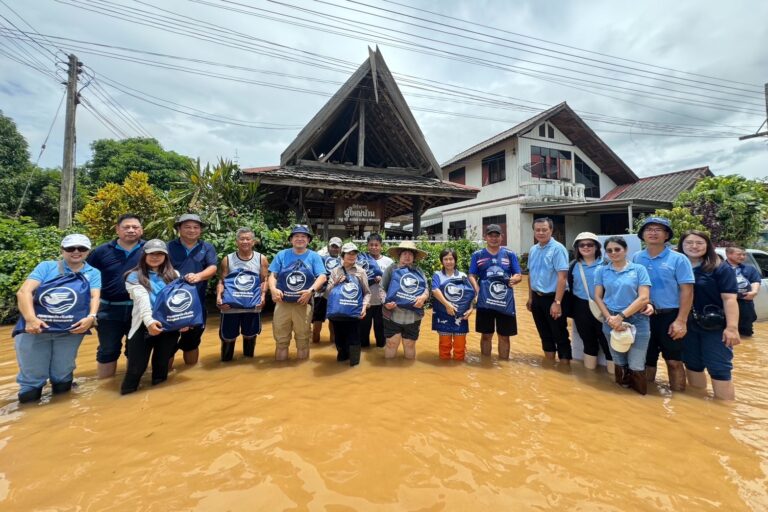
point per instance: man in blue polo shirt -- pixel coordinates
(113, 259)
(548, 275)
(196, 262)
(671, 298)
(488, 321)
(748, 280)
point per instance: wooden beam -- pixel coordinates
(341, 141)
(398, 171)
(372, 60)
(361, 135)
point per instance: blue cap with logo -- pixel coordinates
(661, 221)
(300, 229)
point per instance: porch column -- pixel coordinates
(631, 228)
(416, 216)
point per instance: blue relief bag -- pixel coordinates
(370, 265)
(178, 305)
(405, 287)
(242, 289)
(60, 302)
(495, 293)
(294, 279)
(345, 300)
(459, 292)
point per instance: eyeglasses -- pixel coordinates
(611, 251)
(73, 249)
(654, 230)
(586, 246)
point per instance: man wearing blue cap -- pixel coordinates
(671, 298)
(196, 261)
(294, 318)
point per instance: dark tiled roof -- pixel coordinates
(361, 180)
(664, 187)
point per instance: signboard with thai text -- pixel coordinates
(358, 212)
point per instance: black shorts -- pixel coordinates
(319, 309)
(408, 331)
(190, 340)
(488, 321)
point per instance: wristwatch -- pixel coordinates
(621, 315)
(92, 315)
(558, 302)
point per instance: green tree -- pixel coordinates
(733, 208)
(135, 195)
(681, 219)
(14, 151)
(113, 160)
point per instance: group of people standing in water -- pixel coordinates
(679, 304)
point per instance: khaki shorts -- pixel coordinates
(291, 318)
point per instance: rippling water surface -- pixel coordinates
(387, 435)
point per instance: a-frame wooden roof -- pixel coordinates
(391, 137)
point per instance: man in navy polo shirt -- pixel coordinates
(748, 280)
(548, 275)
(113, 259)
(488, 321)
(671, 298)
(196, 262)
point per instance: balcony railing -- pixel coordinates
(549, 191)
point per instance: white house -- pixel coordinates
(552, 165)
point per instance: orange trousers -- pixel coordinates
(457, 342)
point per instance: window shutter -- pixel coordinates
(486, 177)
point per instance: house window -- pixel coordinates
(590, 179)
(458, 176)
(493, 169)
(457, 229)
(501, 220)
(550, 132)
(550, 164)
(542, 131)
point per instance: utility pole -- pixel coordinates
(759, 133)
(68, 167)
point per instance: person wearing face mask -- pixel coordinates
(581, 277)
(713, 327)
(58, 304)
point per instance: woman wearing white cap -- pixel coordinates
(581, 279)
(144, 283)
(347, 328)
(58, 304)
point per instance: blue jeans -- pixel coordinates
(635, 358)
(45, 356)
(114, 322)
(706, 350)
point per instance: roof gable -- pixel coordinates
(384, 135)
(576, 130)
(662, 187)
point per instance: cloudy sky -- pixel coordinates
(668, 85)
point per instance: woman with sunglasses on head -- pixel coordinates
(58, 303)
(713, 326)
(622, 290)
(581, 278)
(147, 337)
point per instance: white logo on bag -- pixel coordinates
(453, 292)
(58, 300)
(409, 284)
(350, 290)
(331, 263)
(498, 290)
(245, 282)
(296, 281)
(180, 301)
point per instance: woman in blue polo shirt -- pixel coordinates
(53, 322)
(713, 326)
(622, 290)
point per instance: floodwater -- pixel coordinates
(385, 436)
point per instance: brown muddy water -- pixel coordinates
(385, 436)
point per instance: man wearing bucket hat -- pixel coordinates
(488, 321)
(113, 259)
(548, 275)
(196, 262)
(330, 260)
(672, 282)
(400, 323)
(293, 319)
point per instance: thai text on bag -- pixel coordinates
(178, 306)
(459, 292)
(405, 287)
(370, 265)
(495, 293)
(345, 300)
(242, 289)
(294, 279)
